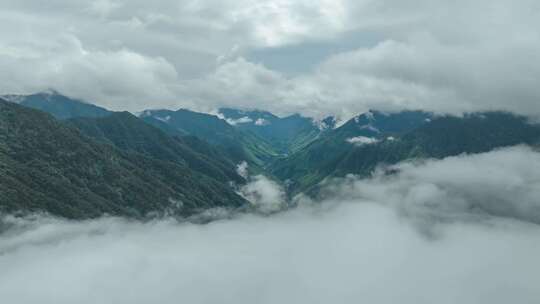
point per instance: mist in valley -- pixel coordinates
(459, 230)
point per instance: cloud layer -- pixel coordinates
(503, 183)
(433, 55)
(362, 245)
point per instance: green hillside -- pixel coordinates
(437, 137)
(239, 146)
(48, 166)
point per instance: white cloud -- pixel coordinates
(502, 183)
(264, 194)
(280, 22)
(362, 140)
(75, 71)
(103, 7)
(242, 169)
(262, 122)
(425, 73)
(237, 83)
(241, 120)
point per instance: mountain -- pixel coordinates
(47, 165)
(60, 106)
(376, 124)
(305, 167)
(374, 138)
(95, 161)
(132, 134)
(239, 146)
(248, 118)
(287, 135)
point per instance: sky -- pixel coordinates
(420, 236)
(314, 57)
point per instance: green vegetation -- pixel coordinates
(286, 135)
(96, 162)
(131, 134)
(437, 137)
(60, 106)
(46, 165)
(237, 145)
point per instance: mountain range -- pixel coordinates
(287, 135)
(48, 165)
(73, 159)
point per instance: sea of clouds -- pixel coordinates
(459, 230)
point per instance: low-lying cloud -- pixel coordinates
(362, 140)
(361, 244)
(264, 194)
(503, 183)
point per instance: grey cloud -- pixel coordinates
(117, 78)
(446, 58)
(503, 183)
(434, 55)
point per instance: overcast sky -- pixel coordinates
(316, 57)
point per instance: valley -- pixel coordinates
(74, 159)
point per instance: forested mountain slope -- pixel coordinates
(45, 165)
(286, 134)
(346, 151)
(58, 105)
(239, 146)
(130, 133)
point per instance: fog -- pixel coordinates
(504, 183)
(459, 230)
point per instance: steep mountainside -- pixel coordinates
(304, 167)
(46, 165)
(130, 133)
(191, 157)
(58, 105)
(239, 146)
(346, 151)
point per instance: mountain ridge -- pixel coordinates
(58, 105)
(297, 151)
(48, 166)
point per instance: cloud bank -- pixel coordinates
(362, 245)
(434, 55)
(503, 183)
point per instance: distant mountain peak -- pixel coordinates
(285, 134)
(46, 95)
(256, 118)
(367, 117)
(328, 123)
(58, 105)
(165, 119)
